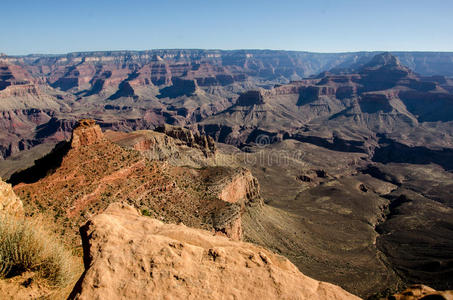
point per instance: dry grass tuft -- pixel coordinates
(26, 246)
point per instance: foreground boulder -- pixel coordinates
(129, 256)
(9, 202)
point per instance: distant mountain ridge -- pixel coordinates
(424, 63)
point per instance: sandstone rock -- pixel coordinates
(85, 133)
(243, 188)
(420, 291)
(9, 202)
(203, 142)
(128, 256)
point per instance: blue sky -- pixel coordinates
(45, 26)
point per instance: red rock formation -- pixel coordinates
(11, 74)
(85, 133)
(95, 172)
(128, 256)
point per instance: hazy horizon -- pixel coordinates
(59, 27)
(207, 49)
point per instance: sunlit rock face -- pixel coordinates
(127, 256)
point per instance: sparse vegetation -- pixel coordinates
(26, 246)
(146, 212)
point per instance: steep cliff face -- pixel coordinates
(241, 188)
(9, 202)
(20, 90)
(130, 256)
(86, 133)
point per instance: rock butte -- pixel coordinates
(85, 133)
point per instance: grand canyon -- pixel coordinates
(219, 174)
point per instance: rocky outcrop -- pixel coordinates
(239, 189)
(242, 188)
(161, 147)
(85, 133)
(9, 202)
(20, 91)
(129, 256)
(250, 98)
(201, 141)
(82, 176)
(221, 79)
(374, 103)
(422, 292)
(385, 59)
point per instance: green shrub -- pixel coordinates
(26, 246)
(146, 212)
